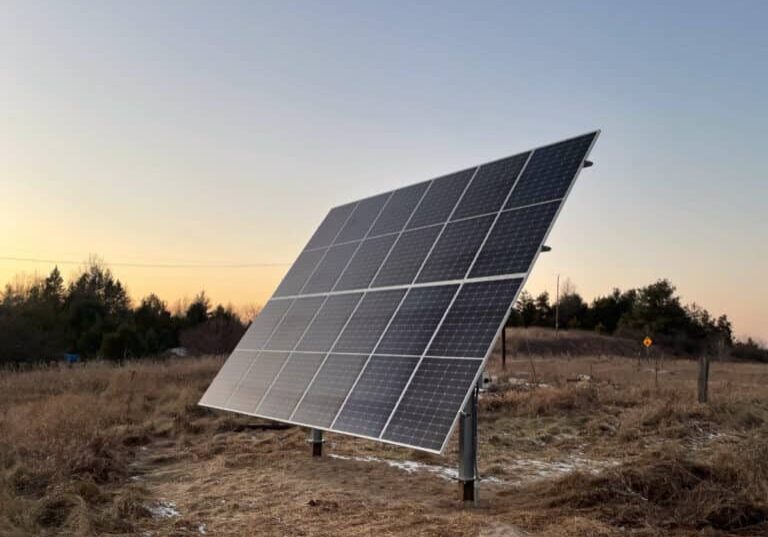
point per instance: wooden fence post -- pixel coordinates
(703, 377)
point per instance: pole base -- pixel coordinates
(316, 439)
(469, 492)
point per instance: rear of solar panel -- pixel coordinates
(383, 324)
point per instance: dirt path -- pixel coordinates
(265, 483)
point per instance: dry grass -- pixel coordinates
(89, 450)
(68, 435)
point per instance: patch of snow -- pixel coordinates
(201, 529)
(525, 383)
(537, 469)
(164, 509)
(410, 467)
(498, 529)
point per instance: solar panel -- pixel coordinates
(383, 324)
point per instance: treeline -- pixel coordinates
(654, 310)
(93, 317)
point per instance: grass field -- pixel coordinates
(582, 444)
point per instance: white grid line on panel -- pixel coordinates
(421, 359)
(479, 165)
(271, 384)
(365, 365)
(398, 233)
(409, 285)
(245, 374)
(360, 373)
(545, 202)
(445, 313)
(522, 284)
(289, 353)
(445, 225)
(376, 353)
(328, 248)
(327, 429)
(417, 227)
(523, 276)
(328, 353)
(498, 215)
(359, 245)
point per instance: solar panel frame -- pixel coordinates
(467, 279)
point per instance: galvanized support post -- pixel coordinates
(316, 439)
(468, 478)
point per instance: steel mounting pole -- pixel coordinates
(468, 477)
(316, 439)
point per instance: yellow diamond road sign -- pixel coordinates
(647, 342)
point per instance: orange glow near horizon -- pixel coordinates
(214, 135)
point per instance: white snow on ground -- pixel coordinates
(524, 382)
(522, 470)
(410, 467)
(535, 469)
(164, 509)
(201, 529)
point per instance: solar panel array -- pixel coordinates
(383, 324)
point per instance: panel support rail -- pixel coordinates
(468, 477)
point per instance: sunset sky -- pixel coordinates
(220, 133)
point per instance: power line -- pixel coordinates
(148, 265)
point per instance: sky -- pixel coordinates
(220, 133)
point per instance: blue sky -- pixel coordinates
(222, 132)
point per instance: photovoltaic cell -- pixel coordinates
(297, 275)
(455, 250)
(551, 171)
(365, 263)
(328, 322)
(398, 209)
(227, 378)
(329, 269)
(294, 323)
(362, 218)
(474, 319)
(329, 389)
(289, 385)
(264, 324)
(515, 240)
(490, 186)
(374, 397)
(416, 320)
(440, 199)
(383, 322)
(330, 226)
(256, 380)
(432, 401)
(406, 256)
(369, 321)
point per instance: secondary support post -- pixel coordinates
(316, 439)
(504, 347)
(468, 478)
